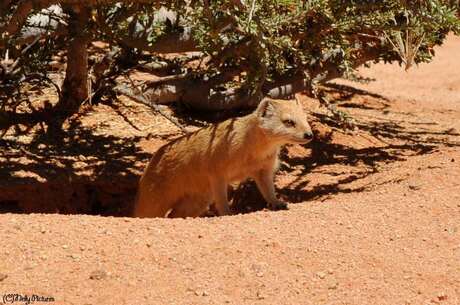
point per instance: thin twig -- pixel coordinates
(166, 79)
(251, 14)
(143, 100)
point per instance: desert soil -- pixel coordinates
(374, 217)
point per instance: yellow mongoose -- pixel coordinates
(187, 175)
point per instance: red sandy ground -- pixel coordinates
(378, 222)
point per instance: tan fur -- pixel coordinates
(186, 176)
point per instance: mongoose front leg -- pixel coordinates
(221, 199)
(264, 180)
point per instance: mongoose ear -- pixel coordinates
(264, 107)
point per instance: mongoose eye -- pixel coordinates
(289, 123)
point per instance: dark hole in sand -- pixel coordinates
(93, 198)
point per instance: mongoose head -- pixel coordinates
(284, 121)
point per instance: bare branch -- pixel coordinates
(167, 79)
(141, 99)
(18, 19)
(199, 96)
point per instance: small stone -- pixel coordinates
(54, 65)
(65, 246)
(260, 274)
(41, 146)
(414, 186)
(260, 295)
(3, 277)
(203, 293)
(442, 296)
(98, 275)
(333, 286)
(321, 275)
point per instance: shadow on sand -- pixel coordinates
(400, 139)
(81, 171)
(74, 172)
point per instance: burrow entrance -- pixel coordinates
(107, 198)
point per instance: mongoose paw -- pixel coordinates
(279, 205)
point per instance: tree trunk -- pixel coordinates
(75, 87)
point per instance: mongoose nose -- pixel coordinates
(308, 135)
